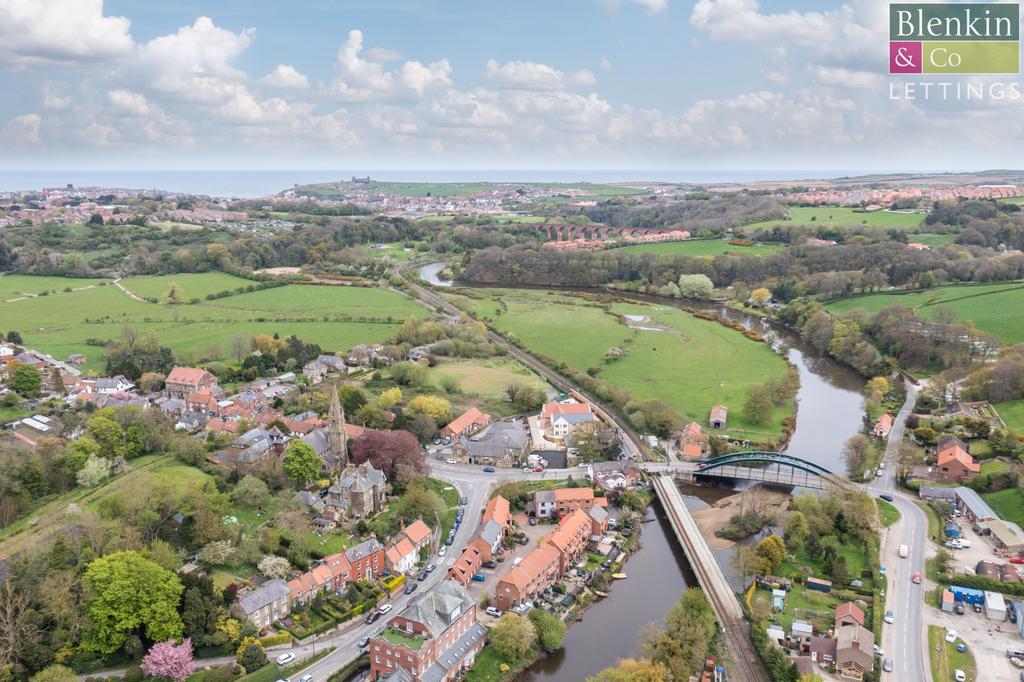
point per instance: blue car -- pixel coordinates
(479, 577)
(488, 470)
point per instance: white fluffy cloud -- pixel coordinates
(360, 79)
(534, 76)
(286, 76)
(22, 129)
(61, 30)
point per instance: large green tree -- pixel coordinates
(512, 637)
(26, 381)
(302, 463)
(550, 629)
(130, 594)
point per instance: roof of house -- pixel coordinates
(953, 452)
(598, 513)
(359, 479)
(398, 550)
(719, 412)
(497, 510)
(977, 506)
(264, 595)
(438, 609)
(884, 422)
(454, 654)
(418, 531)
(363, 549)
(692, 451)
(533, 564)
(855, 636)
(575, 523)
(470, 417)
(823, 646)
(190, 376)
(572, 407)
(851, 610)
(1007, 532)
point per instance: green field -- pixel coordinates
(996, 309)
(692, 365)
(18, 286)
(486, 378)
(1012, 412)
(932, 240)
(61, 324)
(946, 660)
(1008, 503)
(844, 217)
(144, 474)
(192, 285)
(703, 247)
(890, 514)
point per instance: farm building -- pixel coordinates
(995, 606)
(972, 506)
(719, 416)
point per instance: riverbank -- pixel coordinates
(717, 515)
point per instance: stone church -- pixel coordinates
(358, 492)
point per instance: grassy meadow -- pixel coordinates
(840, 216)
(996, 309)
(61, 323)
(691, 365)
(1012, 412)
(703, 247)
(932, 240)
(192, 285)
(21, 286)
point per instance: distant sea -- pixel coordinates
(257, 183)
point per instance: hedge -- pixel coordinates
(393, 582)
(980, 582)
(274, 640)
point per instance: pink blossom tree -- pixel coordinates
(170, 661)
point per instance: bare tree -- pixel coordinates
(16, 628)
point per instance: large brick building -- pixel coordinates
(435, 638)
(563, 501)
(184, 381)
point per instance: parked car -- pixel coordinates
(463, 500)
(491, 611)
(959, 608)
(583, 465)
(442, 551)
(479, 577)
(1017, 560)
(411, 587)
(959, 675)
(527, 470)
(887, 498)
(384, 608)
(522, 541)
(430, 567)
(951, 636)
(977, 608)
(533, 520)
(488, 470)
(489, 564)
(451, 461)
(878, 651)
(961, 647)
(437, 441)
(916, 578)
(285, 659)
(306, 678)
(364, 642)
(449, 540)
(887, 665)
(372, 616)
(890, 617)
(538, 470)
(422, 576)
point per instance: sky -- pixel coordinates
(394, 84)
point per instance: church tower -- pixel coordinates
(337, 441)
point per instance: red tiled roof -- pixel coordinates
(470, 417)
(418, 531)
(190, 376)
(564, 408)
(497, 510)
(957, 453)
(850, 609)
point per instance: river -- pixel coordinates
(830, 409)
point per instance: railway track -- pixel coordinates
(748, 667)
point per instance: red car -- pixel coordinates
(538, 470)
(1017, 560)
(917, 577)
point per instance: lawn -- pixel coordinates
(192, 285)
(992, 466)
(996, 309)
(1008, 503)
(401, 639)
(932, 240)
(486, 379)
(487, 667)
(803, 604)
(8, 414)
(844, 217)
(331, 543)
(336, 318)
(945, 659)
(890, 514)
(1012, 412)
(703, 247)
(17, 286)
(691, 365)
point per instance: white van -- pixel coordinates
(904, 551)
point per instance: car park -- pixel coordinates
(491, 611)
(285, 659)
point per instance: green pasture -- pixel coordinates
(192, 285)
(19, 286)
(841, 216)
(703, 247)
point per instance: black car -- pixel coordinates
(372, 616)
(887, 498)
(411, 587)
(489, 564)
(464, 500)
(422, 576)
